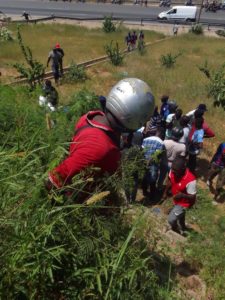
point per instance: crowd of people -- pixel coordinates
(172, 142)
(133, 38)
(169, 140)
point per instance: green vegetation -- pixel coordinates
(79, 252)
(196, 29)
(205, 249)
(5, 35)
(75, 74)
(169, 60)
(35, 71)
(108, 25)
(216, 86)
(220, 32)
(71, 251)
(114, 54)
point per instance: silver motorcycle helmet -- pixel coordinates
(131, 102)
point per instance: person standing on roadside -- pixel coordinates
(26, 16)
(175, 29)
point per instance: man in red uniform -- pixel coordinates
(183, 187)
(129, 105)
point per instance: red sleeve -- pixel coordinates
(208, 133)
(94, 150)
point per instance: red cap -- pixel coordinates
(57, 45)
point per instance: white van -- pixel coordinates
(186, 13)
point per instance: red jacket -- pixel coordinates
(180, 186)
(91, 146)
(208, 133)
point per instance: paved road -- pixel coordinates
(93, 10)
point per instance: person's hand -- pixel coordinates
(178, 196)
(48, 185)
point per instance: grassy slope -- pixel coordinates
(183, 83)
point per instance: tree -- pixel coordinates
(35, 70)
(216, 86)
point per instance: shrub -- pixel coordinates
(5, 35)
(108, 25)
(114, 54)
(169, 60)
(34, 73)
(80, 103)
(216, 86)
(196, 29)
(220, 32)
(75, 74)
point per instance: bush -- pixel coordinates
(216, 86)
(34, 73)
(5, 35)
(169, 60)
(108, 25)
(220, 32)
(114, 54)
(75, 74)
(196, 29)
(80, 103)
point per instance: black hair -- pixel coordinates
(164, 98)
(48, 82)
(160, 132)
(179, 163)
(178, 113)
(198, 113)
(199, 123)
(184, 120)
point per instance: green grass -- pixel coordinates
(205, 250)
(42, 245)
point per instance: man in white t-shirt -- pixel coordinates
(173, 147)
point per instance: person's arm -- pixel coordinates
(88, 153)
(49, 57)
(218, 152)
(208, 132)
(191, 189)
(167, 188)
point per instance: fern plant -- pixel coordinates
(35, 70)
(114, 54)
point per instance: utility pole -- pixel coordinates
(200, 11)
